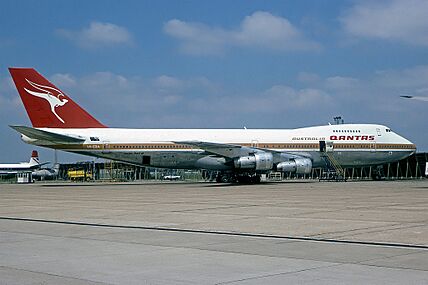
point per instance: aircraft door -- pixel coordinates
(322, 146)
(106, 146)
(373, 147)
(255, 143)
(329, 146)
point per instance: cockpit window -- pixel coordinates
(94, 139)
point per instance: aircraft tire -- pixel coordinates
(256, 179)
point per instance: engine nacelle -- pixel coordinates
(26, 139)
(257, 161)
(297, 165)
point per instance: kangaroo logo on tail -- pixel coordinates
(48, 94)
(61, 112)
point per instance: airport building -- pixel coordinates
(413, 167)
(117, 171)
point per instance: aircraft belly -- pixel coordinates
(367, 158)
(132, 158)
(164, 159)
(187, 160)
(359, 158)
(174, 159)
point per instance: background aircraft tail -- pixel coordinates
(46, 105)
(34, 159)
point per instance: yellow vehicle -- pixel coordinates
(79, 175)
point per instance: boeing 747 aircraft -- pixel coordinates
(237, 154)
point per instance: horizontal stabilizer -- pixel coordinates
(37, 134)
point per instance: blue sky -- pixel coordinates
(221, 64)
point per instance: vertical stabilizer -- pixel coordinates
(46, 105)
(34, 160)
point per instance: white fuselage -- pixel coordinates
(351, 144)
(11, 168)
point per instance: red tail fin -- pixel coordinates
(34, 157)
(34, 154)
(46, 105)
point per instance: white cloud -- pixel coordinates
(8, 104)
(413, 77)
(196, 38)
(105, 79)
(398, 20)
(6, 84)
(259, 30)
(308, 77)
(168, 82)
(268, 31)
(281, 95)
(278, 100)
(377, 96)
(172, 85)
(9, 98)
(422, 90)
(341, 82)
(133, 101)
(63, 80)
(98, 35)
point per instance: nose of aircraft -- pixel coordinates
(408, 145)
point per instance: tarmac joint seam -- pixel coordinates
(166, 229)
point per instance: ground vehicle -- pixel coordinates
(79, 175)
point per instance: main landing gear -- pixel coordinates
(378, 173)
(223, 177)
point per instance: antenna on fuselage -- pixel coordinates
(338, 120)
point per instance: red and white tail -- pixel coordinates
(46, 105)
(34, 160)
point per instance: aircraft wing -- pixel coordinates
(421, 98)
(225, 150)
(47, 136)
(4, 172)
(233, 151)
(24, 169)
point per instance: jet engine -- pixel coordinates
(257, 161)
(296, 165)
